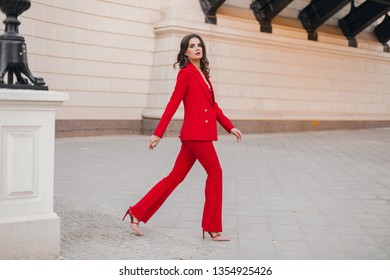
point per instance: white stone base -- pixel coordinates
(30, 237)
(29, 228)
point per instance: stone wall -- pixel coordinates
(101, 52)
(115, 59)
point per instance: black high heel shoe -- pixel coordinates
(133, 225)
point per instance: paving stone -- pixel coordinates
(309, 195)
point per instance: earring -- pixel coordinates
(186, 59)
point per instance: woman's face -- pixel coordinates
(194, 50)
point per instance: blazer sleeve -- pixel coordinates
(174, 102)
(222, 119)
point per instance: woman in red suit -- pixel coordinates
(199, 129)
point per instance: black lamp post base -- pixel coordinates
(21, 86)
(13, 50)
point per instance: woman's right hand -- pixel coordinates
(153, 142)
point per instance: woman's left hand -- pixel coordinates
(153, 142)
(237, 133)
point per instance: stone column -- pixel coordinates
(29, 228)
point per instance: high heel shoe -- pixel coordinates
(217, 236)
(133, 225)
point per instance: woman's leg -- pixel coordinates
(205, 152)
(153, 200)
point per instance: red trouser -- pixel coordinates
(190, 151)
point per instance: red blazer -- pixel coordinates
(201, 112)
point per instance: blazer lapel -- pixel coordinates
(206, 90)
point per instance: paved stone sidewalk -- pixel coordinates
(312, 195)
(90, 234)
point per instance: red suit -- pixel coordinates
(199, 129)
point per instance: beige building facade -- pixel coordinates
(115, 57)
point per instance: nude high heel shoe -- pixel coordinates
(217, 236)
(133, 225)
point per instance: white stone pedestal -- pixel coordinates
(29, 229)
